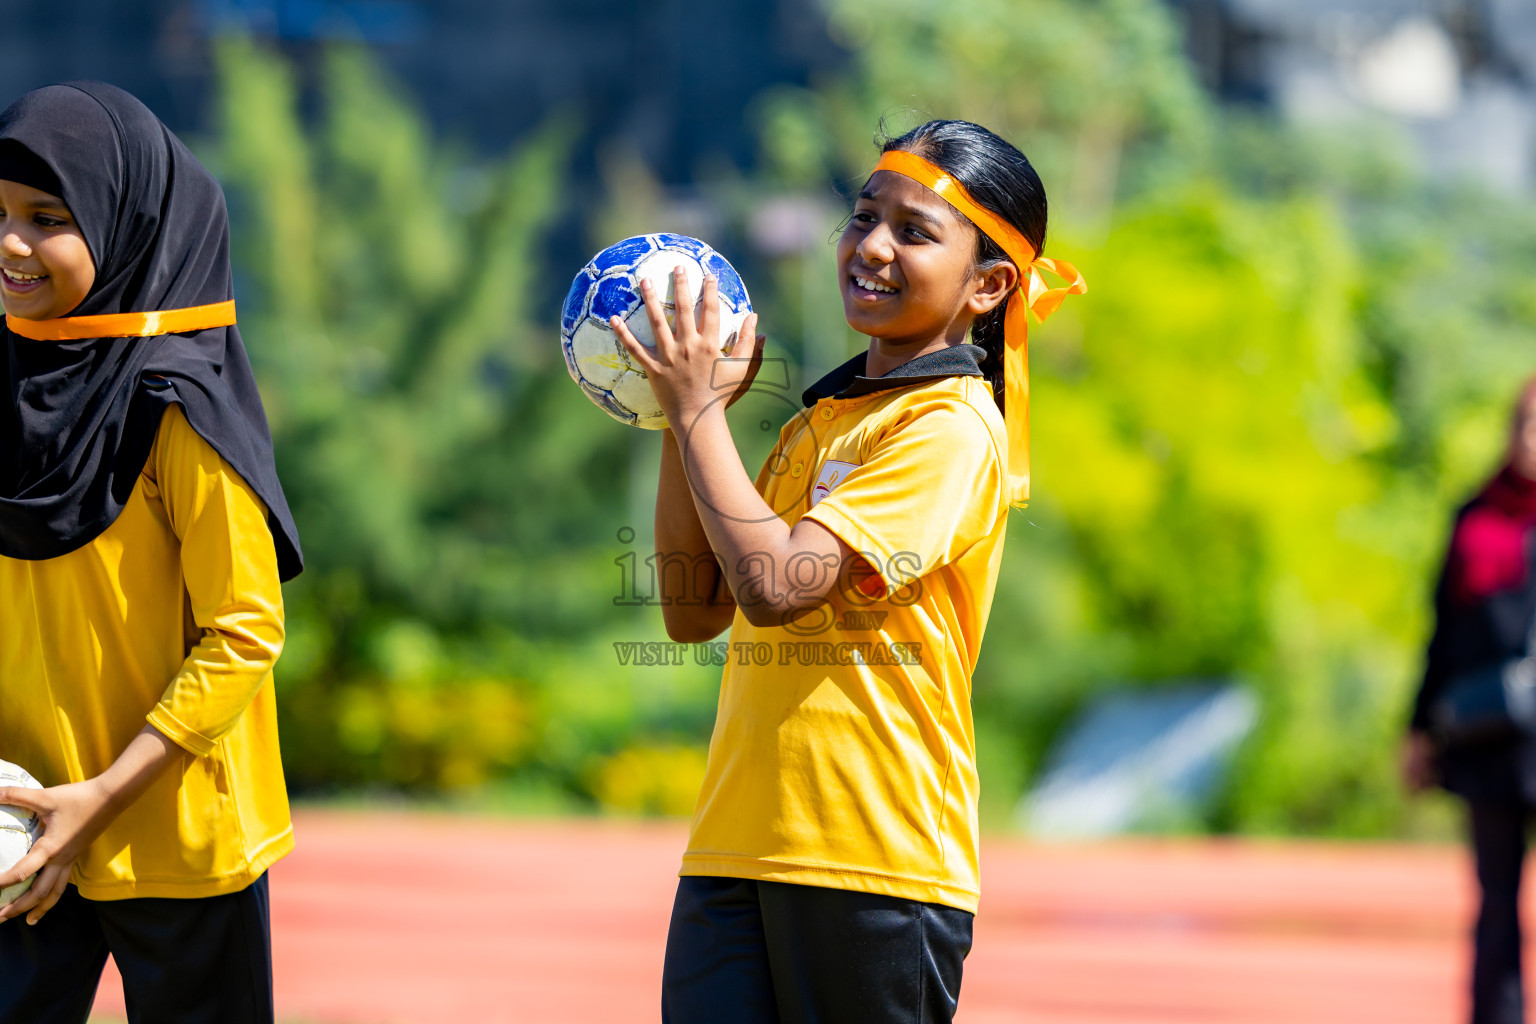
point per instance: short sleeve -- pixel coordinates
(931, 487)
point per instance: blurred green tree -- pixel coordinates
(1293, 361)
(1290, 365)
(447, 480)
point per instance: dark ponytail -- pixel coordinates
(1001, 179)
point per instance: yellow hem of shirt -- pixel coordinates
(833, 876)
(275, 849)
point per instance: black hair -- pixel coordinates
(1000, 178)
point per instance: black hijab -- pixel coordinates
(79, 417)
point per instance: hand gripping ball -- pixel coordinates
(610, 284)
(19, 829)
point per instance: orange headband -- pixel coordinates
(1032, 296)
(126, 325)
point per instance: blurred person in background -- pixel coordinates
(1484, 605)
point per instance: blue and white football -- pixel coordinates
(610, 284)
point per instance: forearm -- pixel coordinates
(757, 551)
(768, 569)
(695, 604)
(1436, 675)
(74, 814)
(1438, 666)
(139, 765)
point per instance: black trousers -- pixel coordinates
(745, 952)
(1498, 843)
(197, 961)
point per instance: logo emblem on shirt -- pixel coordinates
(832, 473)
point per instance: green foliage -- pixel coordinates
(651, 780)
(1083, 85)
(389, 283)
(1227, 525)
(1292, 362)
(1294, 359)
(446, 476)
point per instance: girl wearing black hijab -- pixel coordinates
(143, 538)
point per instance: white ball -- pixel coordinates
(609, 285)
(19, 829)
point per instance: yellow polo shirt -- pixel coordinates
(173, 616)
(843, 753)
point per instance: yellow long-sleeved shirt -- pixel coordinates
(173, 615)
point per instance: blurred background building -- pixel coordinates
(664, 81)
(671, 77)
(675, 78)
(1459, 74)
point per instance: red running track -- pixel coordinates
(405, 918)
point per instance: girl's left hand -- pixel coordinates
(73, 816)
(686, 369)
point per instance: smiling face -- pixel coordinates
(907, 266)
(45, 266)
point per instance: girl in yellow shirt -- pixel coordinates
(143, 537)
(831, 871)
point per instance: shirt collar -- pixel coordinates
(848, 380)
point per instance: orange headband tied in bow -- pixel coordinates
(1032, 296)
